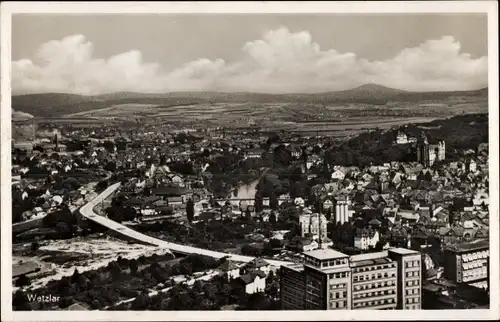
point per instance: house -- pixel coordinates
(299, 244)
(253, 282)
(402, 138)
(257, 264)
(229, 269)
(408, 217)
(253, 153)
(299, 202)
(338, 175)
(327, 204)
(366, 238)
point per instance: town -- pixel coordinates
(138, 218)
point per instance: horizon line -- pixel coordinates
(258, 92)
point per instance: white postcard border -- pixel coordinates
(373, 7)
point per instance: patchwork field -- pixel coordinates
(337, 113)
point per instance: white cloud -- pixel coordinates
(279, 62)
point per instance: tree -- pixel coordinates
(141, 302)
(64, 230)
(272, 218)
(101, 186)
(248, 214)
(20, 301)
(273, 201)
(35, 246)
(258, 202)
(23, 280)
(190, 210)
(250, 250)
(134, 267)
(75, 276)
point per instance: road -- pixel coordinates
(88, 212)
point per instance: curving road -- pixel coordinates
(88, 212)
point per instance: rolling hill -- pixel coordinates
(58, 104)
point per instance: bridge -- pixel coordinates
(87, 211)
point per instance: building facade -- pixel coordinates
(341, 211)
(409, 281)
(467, 262)
(313, 224)
(330, 280)
(427, 153)
(374, 281)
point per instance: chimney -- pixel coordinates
(55, 140)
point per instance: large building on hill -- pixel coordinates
(427, 153)
(331, 280)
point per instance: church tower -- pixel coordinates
(423, 150)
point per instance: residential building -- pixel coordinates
(254, 153)
(402, 138)
(253, 282)
(310, 224)
(229, 269)
(366, 238)
(467, 262)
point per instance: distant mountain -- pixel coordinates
(57, 104)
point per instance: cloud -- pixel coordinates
(279, 62)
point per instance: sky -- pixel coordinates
(95, 54)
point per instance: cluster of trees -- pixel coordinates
(63, 223)
(101, 186)
(376, 147)
(207, 295)
(216, 234)
(120, 279)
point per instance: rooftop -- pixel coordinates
(323, 254)
(368, 256)
(404, 251)
(296, 267)
(476, 245)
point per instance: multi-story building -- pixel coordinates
(374, 281)
(331, 280)
(427, 153)
(312, 223)
(409, 280)
(467, 262)
(327, 280)
(292, 288)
